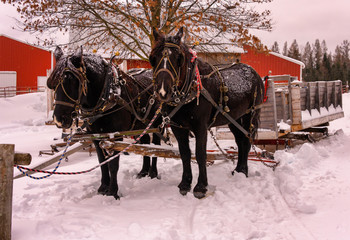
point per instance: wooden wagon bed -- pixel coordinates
(294, 106)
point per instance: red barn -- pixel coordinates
(30, 63)
(272, 63)
(265, 64)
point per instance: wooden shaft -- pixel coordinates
(6, 188)
(157, 151)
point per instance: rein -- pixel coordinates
(110, 95)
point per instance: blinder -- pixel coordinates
(80, 75)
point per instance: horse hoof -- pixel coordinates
(141, 175)
(183, 192)
(103, 190)
(153, 175)
(241, 170)
(184, 188)
(199, 195)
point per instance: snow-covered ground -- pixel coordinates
(307, 197)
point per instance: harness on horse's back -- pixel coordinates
(110, 95)
(189, 96)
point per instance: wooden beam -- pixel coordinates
(74, 148)
(7, 155)
(156, 151)
(22, 159)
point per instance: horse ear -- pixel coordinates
(58, 53)
(179, 35)
(156, 34)
(79, 55)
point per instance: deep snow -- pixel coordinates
(307, 197)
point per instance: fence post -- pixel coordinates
(7, 153)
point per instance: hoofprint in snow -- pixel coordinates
(306, 197)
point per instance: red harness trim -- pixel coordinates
(198, 76)
(266, 78)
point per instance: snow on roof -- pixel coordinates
(288, 59)
(32, 45)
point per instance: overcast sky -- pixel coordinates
(303, 20)
(308, 20)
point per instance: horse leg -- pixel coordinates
(146, 159)
(201, 156)
(182, 137)
(153, 171)
(113, 166)
(243, 144)
(105, 179)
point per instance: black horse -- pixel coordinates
(89, 87)
(200, 96)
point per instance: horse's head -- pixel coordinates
(168, 60)
(74, 81)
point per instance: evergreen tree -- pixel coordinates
(326, 68)
(293, 51)
(307, 59)
(317, 50)
(324, 47)
(275, 48)
(337, 64)
(285, 49)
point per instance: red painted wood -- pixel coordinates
(268, 64)
(27, 60)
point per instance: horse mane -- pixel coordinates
(91, 61)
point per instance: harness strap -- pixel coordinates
(234, 122)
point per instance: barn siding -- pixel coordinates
(138, 64)
(28, 61)
(268, 64)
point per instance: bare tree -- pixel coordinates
(126, 25)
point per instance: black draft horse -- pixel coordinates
(109, 100)
(200, 96)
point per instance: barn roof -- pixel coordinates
(20, 41)
(288, 59)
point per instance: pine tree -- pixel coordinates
(307, 59)
(337, 64)
(293, 51)
(285, 49)
(275, 48)
(318, 60)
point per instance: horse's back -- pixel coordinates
(244, 88)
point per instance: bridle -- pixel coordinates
(110, 95)
(80, 75)
(179, 92)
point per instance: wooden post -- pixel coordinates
(296, 107)
(7, 155)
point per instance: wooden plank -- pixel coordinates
(296, 108)
(156, 151)
(317, 97)
(54, 159)
(7, 153)
(334, 96)
(321, 120)
(325, 96)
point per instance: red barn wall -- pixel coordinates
(268, 64)
(28, 61)
(138, 64)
